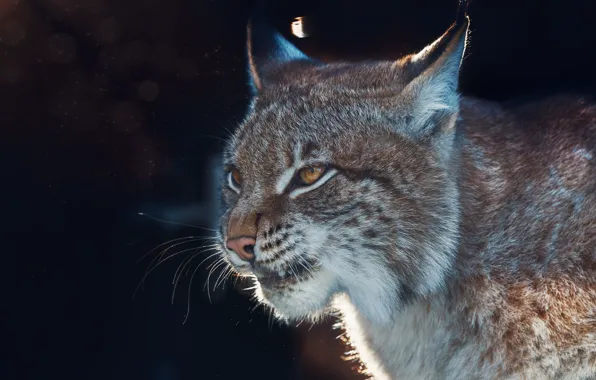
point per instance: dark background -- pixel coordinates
(109, 108)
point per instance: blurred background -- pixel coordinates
(111, 108)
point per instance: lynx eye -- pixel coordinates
(235, 177)
(311, 174)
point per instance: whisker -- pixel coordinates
(271, 320)
(159, 259)
(255, 308)
(141, 284)
(292, 270)
(188, 299)
(151, 267)
(222, 275)
(190, 285)
(219, 263)
(229, 133)
(186, 264)
(181, 267)
(231, 273)
(236, 280)
(306, 265)
(164, 243)
(208, 257)
(175, 223)
(178, 273)
(212, 137)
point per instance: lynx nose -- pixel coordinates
(243, 246)
(242, 235)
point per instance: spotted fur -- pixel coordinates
(456, 236)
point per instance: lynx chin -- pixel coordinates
(456, 236)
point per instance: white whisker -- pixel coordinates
(175, 223)
(223, 275)
(152, 268)
(165, 243)
(219, 263)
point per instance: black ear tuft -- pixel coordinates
(462, 12)
(433, 75)
(267, 49)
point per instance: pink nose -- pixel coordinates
(243, 246)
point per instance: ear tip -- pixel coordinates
(258, 24)
(462, 19)
(266, 48)
(463, 8)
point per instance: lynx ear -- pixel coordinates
(267, 50)
(433, 79)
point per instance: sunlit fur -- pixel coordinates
(456, 236)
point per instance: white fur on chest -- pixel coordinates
(423, 342)
(418, 344)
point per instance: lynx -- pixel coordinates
(456, 236)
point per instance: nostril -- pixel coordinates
(243, 247)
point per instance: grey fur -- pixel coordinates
(455, 235)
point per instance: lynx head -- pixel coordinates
(340, 179)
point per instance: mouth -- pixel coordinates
(290, 274)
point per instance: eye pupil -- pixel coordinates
(311, 174)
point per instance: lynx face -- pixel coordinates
(338, 182)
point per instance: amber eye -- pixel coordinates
(311, 174)
(236, 177)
